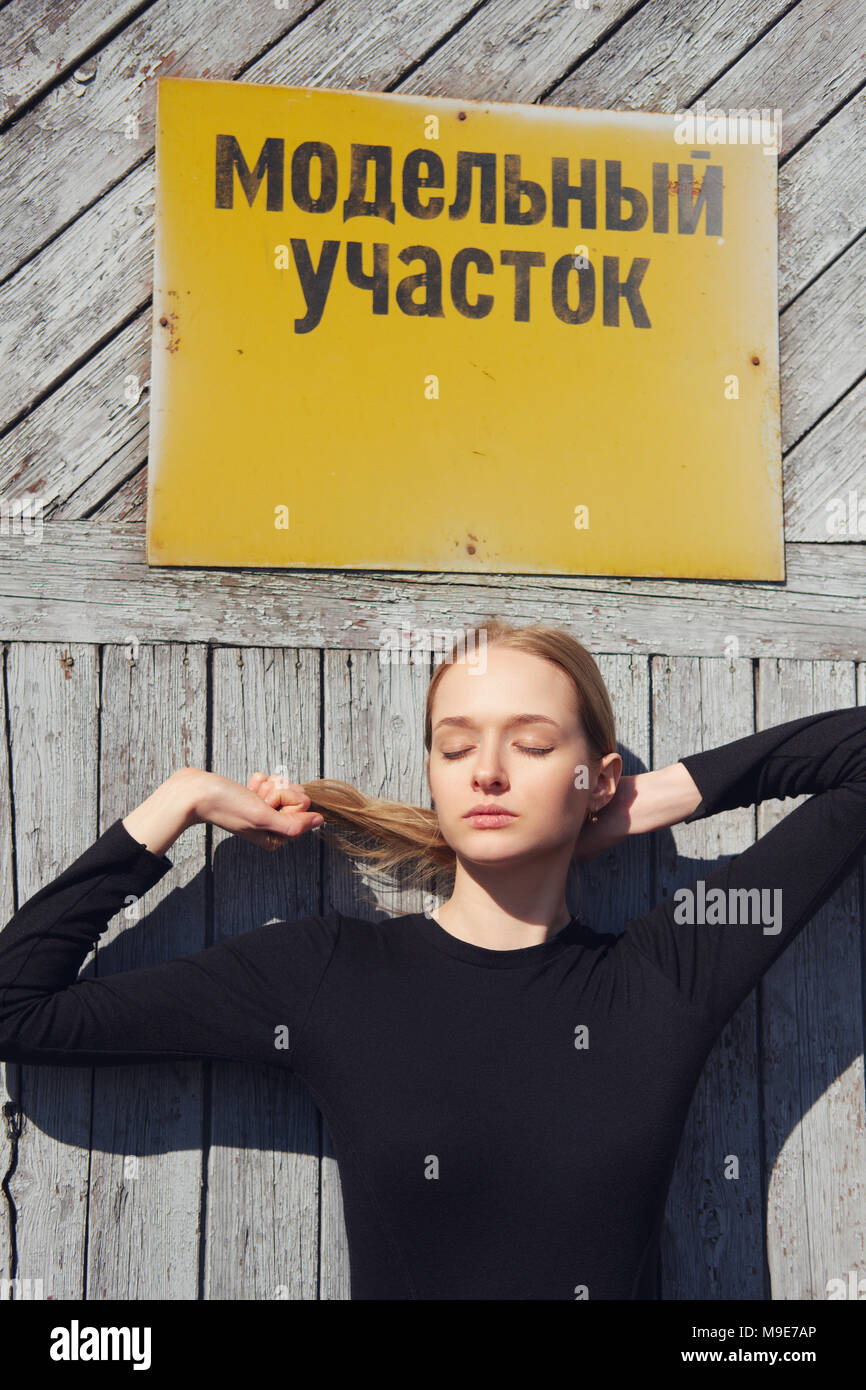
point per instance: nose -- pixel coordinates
(489, 773)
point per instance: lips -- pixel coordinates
(490, 818)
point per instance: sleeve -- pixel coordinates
(243, 999)
(713, 946)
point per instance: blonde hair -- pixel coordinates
(405, 841)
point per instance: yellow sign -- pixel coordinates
(406, 332)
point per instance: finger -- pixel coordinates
(292, 823)
(291, 793)
(289, 796)
(274, 839)
(268, 790)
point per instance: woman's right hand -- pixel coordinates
(268, 810)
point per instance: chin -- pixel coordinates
(497, 848)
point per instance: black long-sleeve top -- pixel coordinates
(506, 1122)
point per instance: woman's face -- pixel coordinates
(479, 756)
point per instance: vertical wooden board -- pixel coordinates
(10, 1073)
(712, 1240)
(374, 739)
(616, 886)
(53, 693)
(861, 700)
(145, 1174)
(262, 1217)
(439, 889)
(812, 1031)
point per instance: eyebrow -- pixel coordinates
(461, 721)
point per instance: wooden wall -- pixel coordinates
(211, 1181)
(217, 1180)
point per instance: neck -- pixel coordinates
(486, 910)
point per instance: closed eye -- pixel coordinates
(532, 752)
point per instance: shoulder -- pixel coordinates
(372, 935)
(587, 936)
(312, 939)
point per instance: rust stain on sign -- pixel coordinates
(170, 323)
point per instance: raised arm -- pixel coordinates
(744, 914)
(245, 999)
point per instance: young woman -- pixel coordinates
(505, 1087)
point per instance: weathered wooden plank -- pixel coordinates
(861, 700)
(90, 434)
(812, 1036)
(821, 345)
(87, 581)
(147, 1119)
(821, 473)
(373, 727)
(42, 39)
(806, 65)
(820, 197)
(591, 57)
(511, 53)
(712, 1241)
(10, 1074)
(53, 714)
(129, 502)
(263, 1137)
(76, 293)
(362, 44)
